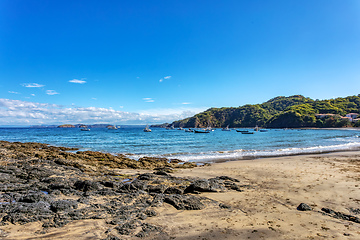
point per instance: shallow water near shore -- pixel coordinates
(188, 146)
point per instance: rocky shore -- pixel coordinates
(49, 192)
(55, 186)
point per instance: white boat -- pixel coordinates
(112, 127)
(227, 128)
(147, 129)
(85, 129)
(209, 129)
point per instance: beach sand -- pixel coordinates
(266, 209)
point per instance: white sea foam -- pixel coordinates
(253, 154)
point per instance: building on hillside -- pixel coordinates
(347, 118)
(324, 115)
(352, 116)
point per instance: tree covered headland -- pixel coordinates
(280, 112)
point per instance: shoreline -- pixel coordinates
(259, 199)
(276, 187)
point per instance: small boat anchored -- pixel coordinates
(242, 131)
(147, 129)
(247, 132)
(202, 131)
(226, 129)
(85, 129)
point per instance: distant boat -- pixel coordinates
(112, 127)
(147, 129)
(85, 129)
(247, 132)
(263, 130)
(227, 128)
(180, 128)
(210, 129)
(189, 130)
(202, 131)
(256, 128)
(242, 131)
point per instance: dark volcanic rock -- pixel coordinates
(341, 215)
(34, 197)
(146, 176)
(156, 188)
(222, 205)
(63, 205)
(36, 178)
(227, 178)
(304, 207)
(204, 185)
(184, 202)
(174, 190)
(87, 185)
(25, 212)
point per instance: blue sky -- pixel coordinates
(136, 62)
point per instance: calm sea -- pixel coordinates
(189, 146)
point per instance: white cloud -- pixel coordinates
(13, 112)
(78, 81)
(148, 100)
(186, 103)
(164, 78)
(32, 85)
(32, 95)
(13, 92)
(51, 92)
(94, 98)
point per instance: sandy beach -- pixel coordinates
(266, 208)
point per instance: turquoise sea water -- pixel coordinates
(189, 146)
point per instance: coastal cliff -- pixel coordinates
(279, 112)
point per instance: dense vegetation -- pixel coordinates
(280, 112)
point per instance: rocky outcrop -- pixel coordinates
(85, 160)
(66, 126)
(58, 191)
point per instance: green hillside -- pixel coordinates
(280, 112)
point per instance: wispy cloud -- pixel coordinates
(32, 95)
(80, 81)
(94, 98)
(186, 103)
(51, 92)
(14, 92)
(14, 112)
(148, 100)
(164, 78)
(32, 85)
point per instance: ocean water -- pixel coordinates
(188, 146)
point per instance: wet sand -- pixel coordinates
(266, 209)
